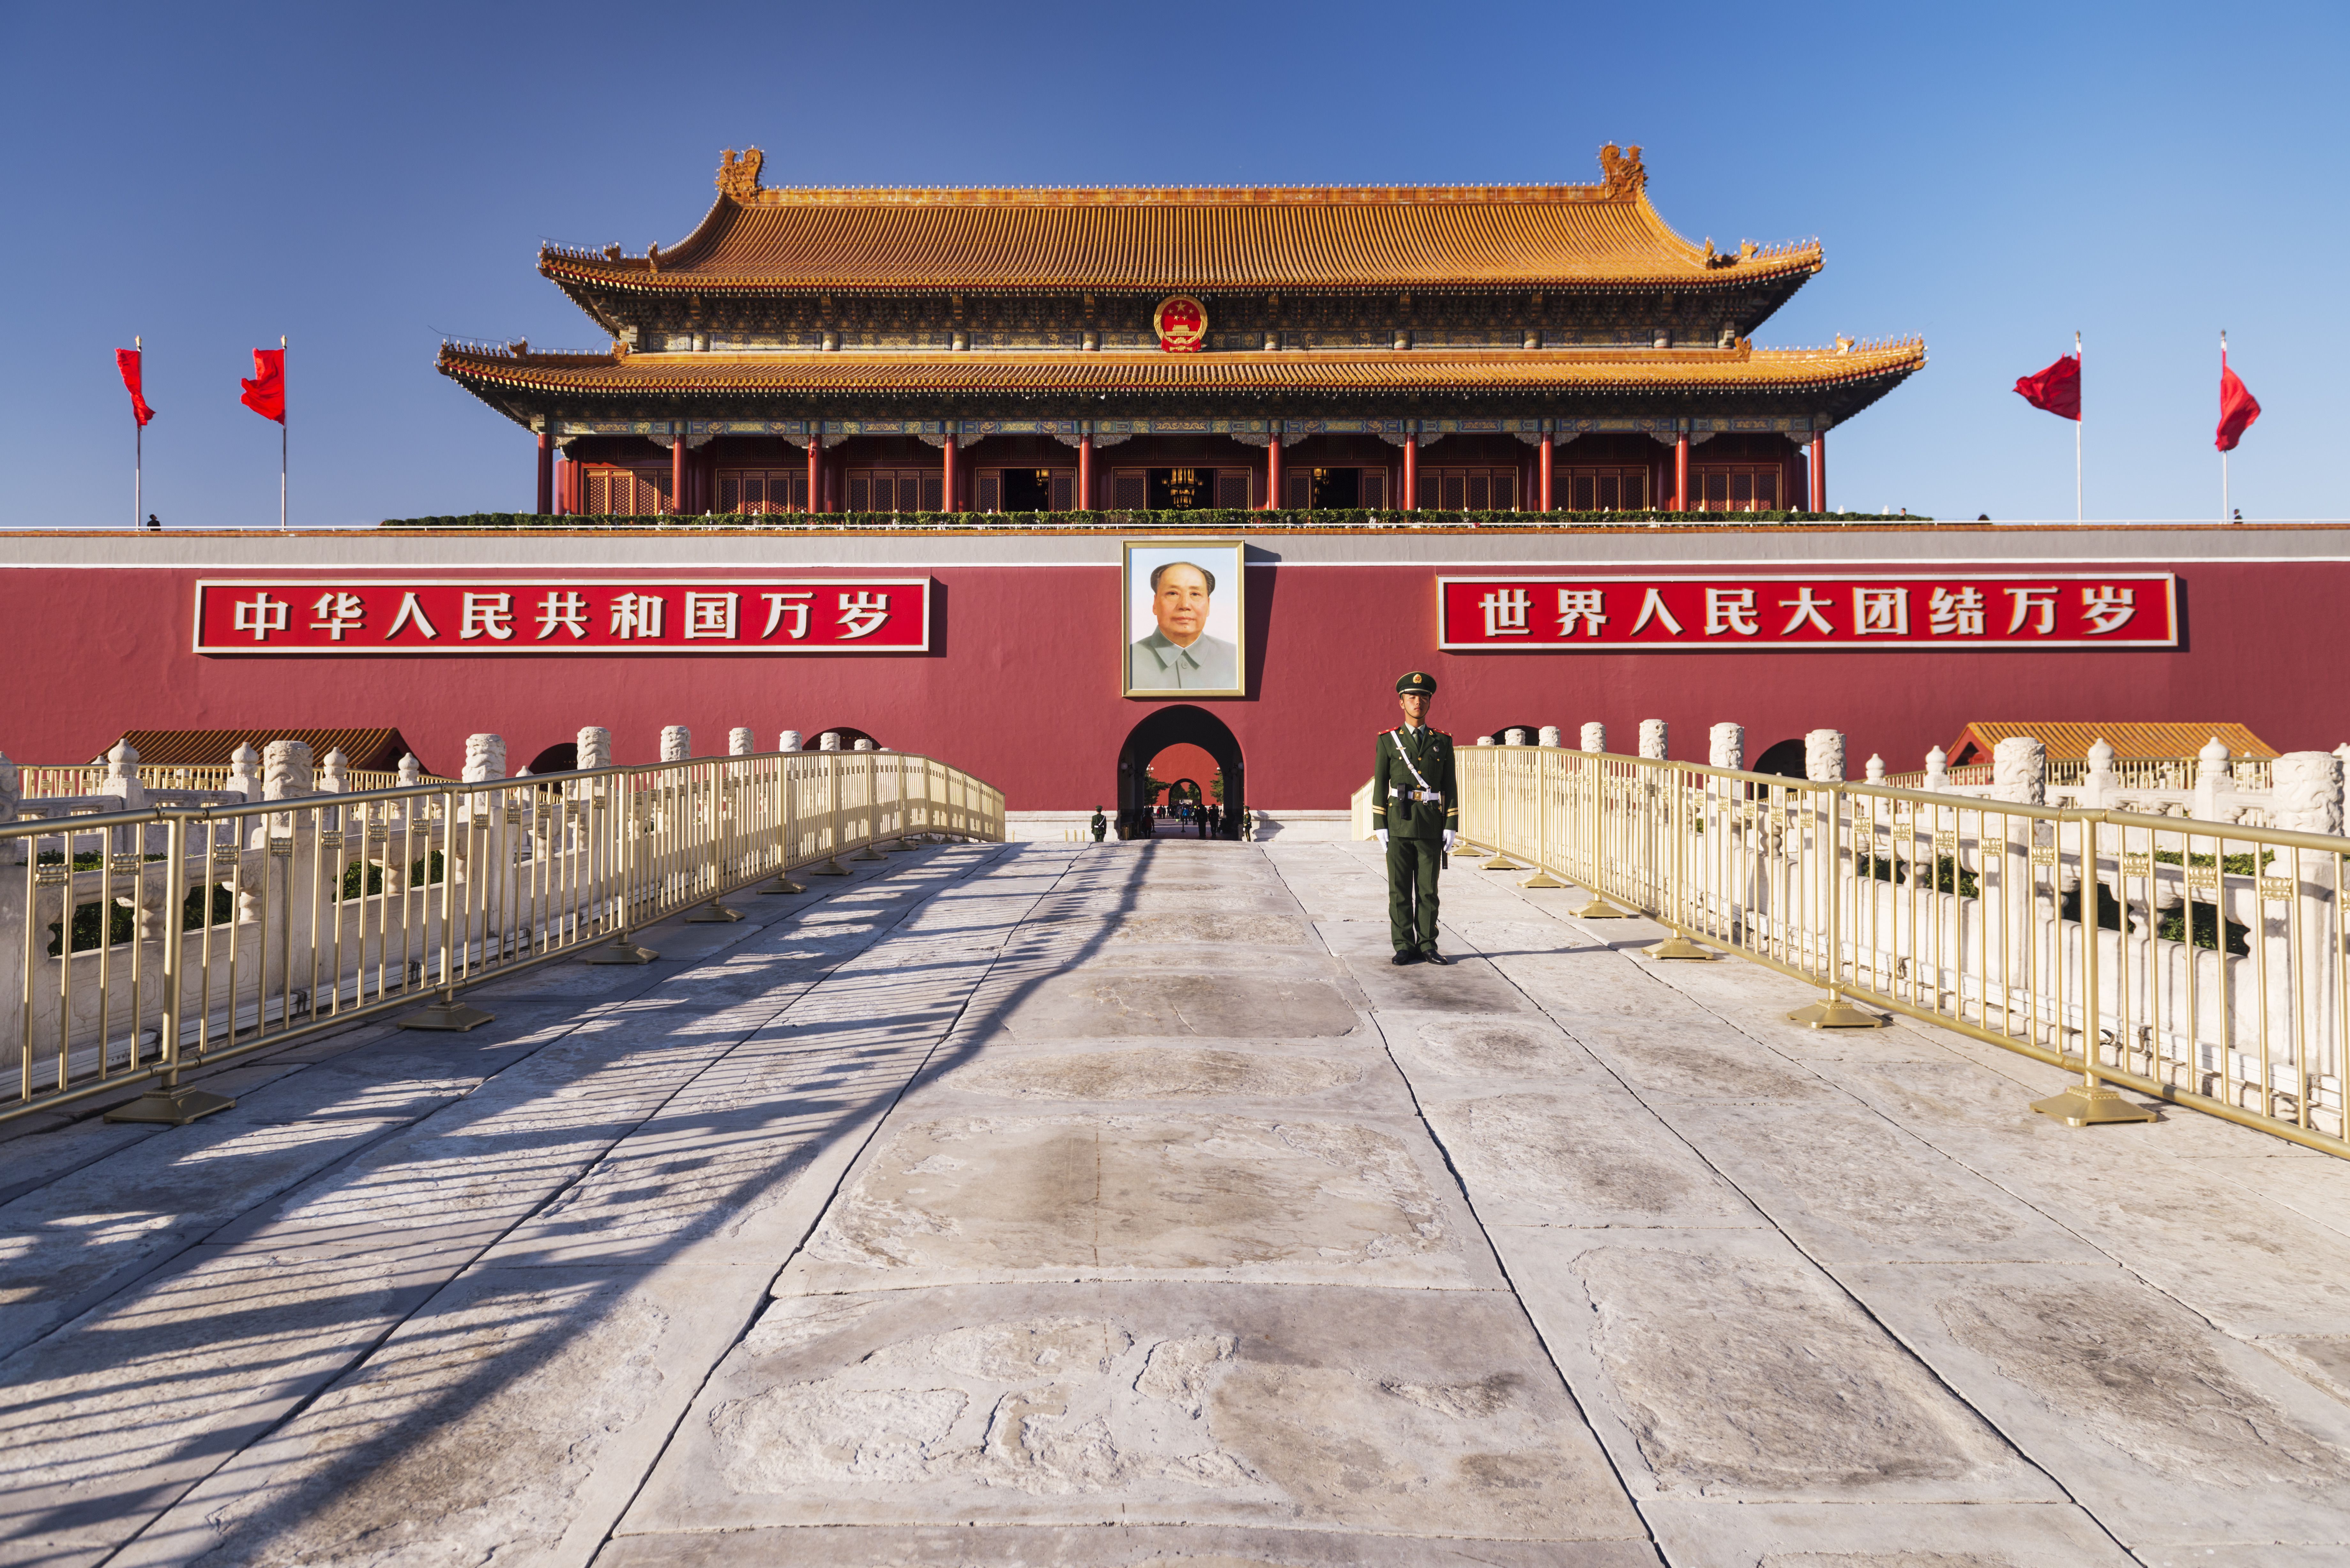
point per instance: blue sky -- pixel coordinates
(367, 180)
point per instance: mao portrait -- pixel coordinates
(1183, 618)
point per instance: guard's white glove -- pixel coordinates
(1449, 837)
(1382, 836)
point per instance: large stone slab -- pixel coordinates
(1102, 1546)
(109, 1421)
(511, 1418)
(951, 1200)
(1722, 1365)
(1400, 1412)
(1881, 1535)
(1110, 1005)
(1176, 1073)
(1594, 1158)
(1851, 1186)
(2173, 1433)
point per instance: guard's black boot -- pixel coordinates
(1404, 957)
(1432, 955)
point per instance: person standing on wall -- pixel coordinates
(1416, 814)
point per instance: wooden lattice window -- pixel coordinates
(1601, 489)
(1469, 489)
(1721, 487)
(627, 491)
(761, 490)
(894, 489)
(1233, 489)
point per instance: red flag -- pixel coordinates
(126, 361)
(2237, 408)
(2057, 389)
(265, 393)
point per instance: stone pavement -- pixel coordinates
(1121, 1204)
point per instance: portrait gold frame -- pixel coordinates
(1230, 556)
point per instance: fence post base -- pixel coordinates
(1542, 879)
(868, 852)
(1676, 946)
(167, 1104)
(1835, 1013)
(831, 868)
(1599, 908)
(447, 1013)
(620, 950)
(2092, 1103)
(783, 884)
(713, 913)
(1500, 862)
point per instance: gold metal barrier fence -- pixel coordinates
(149, 942)
(2210, 966)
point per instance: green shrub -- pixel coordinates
(2172, 923)
(350, 887)
(423, 872)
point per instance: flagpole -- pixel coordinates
(2223, 452)
(2076, 434)
(282, 410)
(139, 443)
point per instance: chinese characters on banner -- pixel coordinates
(651, 615)
(1713, 614)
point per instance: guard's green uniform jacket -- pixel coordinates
(1416, 828)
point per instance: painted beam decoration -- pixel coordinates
(468, 616)
(1730, 612)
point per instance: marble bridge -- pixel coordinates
(1105, 1205)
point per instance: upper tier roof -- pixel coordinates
(1358, 237)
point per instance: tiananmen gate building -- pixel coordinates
(1456, 348)
(912, 465)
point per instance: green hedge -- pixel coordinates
(1222, 521)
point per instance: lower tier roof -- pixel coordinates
(735, 375)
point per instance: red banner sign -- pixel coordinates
(635, 614)
(1715, 614)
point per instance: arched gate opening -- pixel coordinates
(1173, 726)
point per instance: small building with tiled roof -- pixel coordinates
(1453, 347)
(2070, 740)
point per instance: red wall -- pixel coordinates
(1021, 689)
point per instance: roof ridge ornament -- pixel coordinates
(1622, 171)
(738, 178)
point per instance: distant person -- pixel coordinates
(1101, 824)
(154, 523)
(1180, 656)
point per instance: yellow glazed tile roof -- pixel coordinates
(1335, 237)
(720, 374)
(2071, 741)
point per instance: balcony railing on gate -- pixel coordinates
(2205, 963)
(150, 941)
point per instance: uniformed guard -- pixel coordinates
(1101, 824)
(1416, 811)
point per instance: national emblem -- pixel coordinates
(1182, 323)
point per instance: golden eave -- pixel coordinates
(724, 374)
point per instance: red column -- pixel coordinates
(1542, 458)
(946, 487)
(1273, 470)
(677, 475)
(815, 473)
(1819, 471)
(1410, 500)
(1086, 472)
(546, 472)
(1680, 474)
